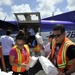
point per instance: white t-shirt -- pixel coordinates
(6, 43)
(32, 32)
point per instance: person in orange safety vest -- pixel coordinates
(63, 51)
(36, 48)
(19, 56)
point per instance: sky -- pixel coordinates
(45, 7)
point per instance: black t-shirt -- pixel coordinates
(71, 52)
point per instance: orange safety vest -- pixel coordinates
(21, 59)
(62, 60)
(36, 48)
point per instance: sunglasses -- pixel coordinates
(56, 36)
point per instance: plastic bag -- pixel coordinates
(32, 61)
(6, 73)
(47, 66)
(39, 39)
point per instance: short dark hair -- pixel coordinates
(59, 27)
(8, 32)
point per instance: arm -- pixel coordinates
(70, 71)
(11, 60)
(12, 56)
(71, 55)
(12, 63)
(60, 73)
(48, 55)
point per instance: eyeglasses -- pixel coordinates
(56, 36)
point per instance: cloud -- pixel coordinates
(47, 7)
(21, 8)
(1, 9)
(6, 2)
(10, 18)
(18, 9)
(2, 15)
(58, 11)
(70, 5)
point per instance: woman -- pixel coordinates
(47, 47)
(19, 56)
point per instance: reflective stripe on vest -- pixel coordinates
(64, 62)
(36, 48)
(19, 59)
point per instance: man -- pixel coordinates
(31, 34)
(7, 42)
(31, 31)
(63, 51)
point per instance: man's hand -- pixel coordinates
(60, 73)
(27, 68)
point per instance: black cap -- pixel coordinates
(50, 36)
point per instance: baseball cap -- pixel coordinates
(50, 35)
